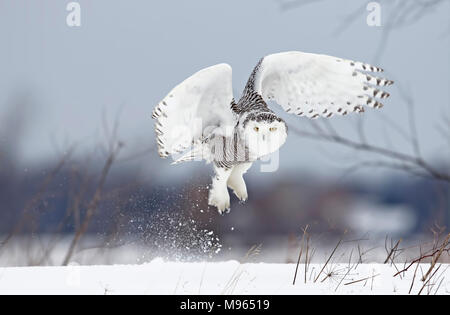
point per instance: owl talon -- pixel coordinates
(223, 212)
(243, 196)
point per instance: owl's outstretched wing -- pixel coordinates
(315, 85)
(199, 103)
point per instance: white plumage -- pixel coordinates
(200, 118)
(204, 96)
(317, 85)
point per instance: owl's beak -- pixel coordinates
(264, 137)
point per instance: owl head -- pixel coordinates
(264, 133)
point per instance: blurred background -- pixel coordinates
(81, 181)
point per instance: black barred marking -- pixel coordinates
(378, 81)
(250, 99)
(258, 117)
(329, 115)
(367, 67)
(358, 109)
(163, 154)
(233, 106)
(233, 151)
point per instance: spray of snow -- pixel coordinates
(166, 229)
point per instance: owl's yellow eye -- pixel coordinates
(256, 128)
(272, 128)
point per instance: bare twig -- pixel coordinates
(429, 279)
(31, 204)
(328, 260)
(438, 255)
(435, 255)
(93, 205)
(391, 253)
(414, 277)
(300, 253)
(360, 280)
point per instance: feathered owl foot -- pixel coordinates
(220, 200)
(241, 195)
(237, 184)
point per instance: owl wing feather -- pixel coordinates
(315, 85)
(193, 109)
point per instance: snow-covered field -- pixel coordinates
(231, 277)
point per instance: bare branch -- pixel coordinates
(383, 152)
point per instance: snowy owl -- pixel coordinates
(200, 120)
